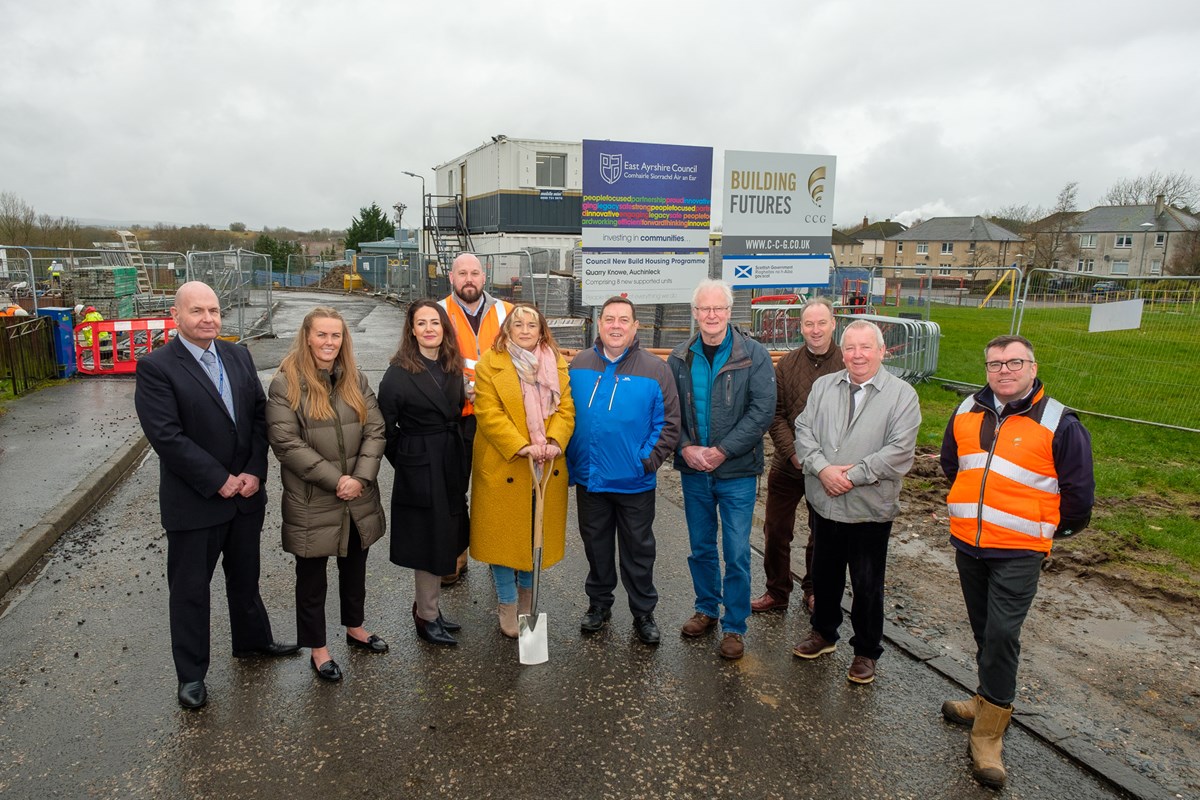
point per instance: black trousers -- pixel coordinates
(191, 560)
(607, 519)
(784, 494)
(998, 593)
(311, 588)
(861, 547)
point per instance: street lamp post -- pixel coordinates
(1146, 228)
(422, 180)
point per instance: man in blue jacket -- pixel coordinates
(727, 391)
(626, 424)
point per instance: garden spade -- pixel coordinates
(531, 628)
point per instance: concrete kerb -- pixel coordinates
(1078, 749)
(31, 545)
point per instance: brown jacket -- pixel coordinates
(794, 375)
(311, 456)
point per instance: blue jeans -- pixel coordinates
(704, 497)
(506, 580)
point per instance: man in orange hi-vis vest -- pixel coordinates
(476, 317)
(1021, 467)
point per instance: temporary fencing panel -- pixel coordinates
(113, 347)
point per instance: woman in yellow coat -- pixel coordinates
(523, 409)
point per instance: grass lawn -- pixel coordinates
(1147, 477)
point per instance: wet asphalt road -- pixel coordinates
(87, 704)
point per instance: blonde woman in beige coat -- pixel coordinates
(523, 409)
(326, 430)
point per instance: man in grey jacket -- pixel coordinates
(727, 401)
(856, 439)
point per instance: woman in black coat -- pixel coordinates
(421, 397)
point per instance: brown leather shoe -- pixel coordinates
(813, 645)
(732, 646)
(698, 625)
(862, 670)
(809, 602)
(451, 579)
(768, 602)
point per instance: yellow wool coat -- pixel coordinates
(501, 483)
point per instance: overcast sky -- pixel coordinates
(297, 113)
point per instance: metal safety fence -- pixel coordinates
(26, 352)
(1120, 346)
(242, 280)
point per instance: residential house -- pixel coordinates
(955, 247)
(873, 236)
(846, 250)
(1120, 241)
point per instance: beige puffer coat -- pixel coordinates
(314, 454)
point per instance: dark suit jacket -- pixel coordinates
(197, 443)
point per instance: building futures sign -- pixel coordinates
(777, 219)
(645, 219)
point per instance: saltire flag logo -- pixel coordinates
(610, 167)
(743, 271)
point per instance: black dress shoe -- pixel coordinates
(373, 644)
(329, 671)
(594, 619)
(192, 694)
(433, 632)
(453, 627)
(646, 630)
(270, 650)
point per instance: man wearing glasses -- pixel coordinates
(1020, 464)
(727, 401)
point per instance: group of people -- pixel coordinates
(478, 399)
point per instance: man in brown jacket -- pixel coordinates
(794, 375)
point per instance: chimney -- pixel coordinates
(1159, 204)
(865, 221)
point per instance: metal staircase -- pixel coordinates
(447, 228)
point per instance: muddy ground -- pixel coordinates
(1110, 650)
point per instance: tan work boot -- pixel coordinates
(961, 711)
(987, 743)
(508, 619)
(524, 600)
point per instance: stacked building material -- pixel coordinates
(572, 333)
(676, 324)
(110, 289)
(553, 294)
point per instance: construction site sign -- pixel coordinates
(777, 219)
(645, 219)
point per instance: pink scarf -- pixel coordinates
(538, 371)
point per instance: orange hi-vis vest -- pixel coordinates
(1005, 495)
(469, 345)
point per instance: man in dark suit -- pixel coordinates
(202, 407)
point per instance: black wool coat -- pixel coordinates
(424, 426)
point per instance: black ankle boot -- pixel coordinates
(433, 632)
(447, 624)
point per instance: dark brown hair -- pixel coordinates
(408, 356)
(1002, 342)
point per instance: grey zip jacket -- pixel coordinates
(879, 443)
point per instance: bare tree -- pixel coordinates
(57, 231)
(1186, 260)
(1051, 236)
(1178, 188)
(1016, 218)
(18, 220)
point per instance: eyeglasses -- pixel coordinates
(1013, 364)
(704, 311)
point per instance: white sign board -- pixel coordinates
(642, 277)
(1125, 315)
(777, 207)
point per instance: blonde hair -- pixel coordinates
(301, 371)
(525, 311)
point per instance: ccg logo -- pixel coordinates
(610, 167)
(816, 184)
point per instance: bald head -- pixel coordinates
(467, 278)
(197, 313)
